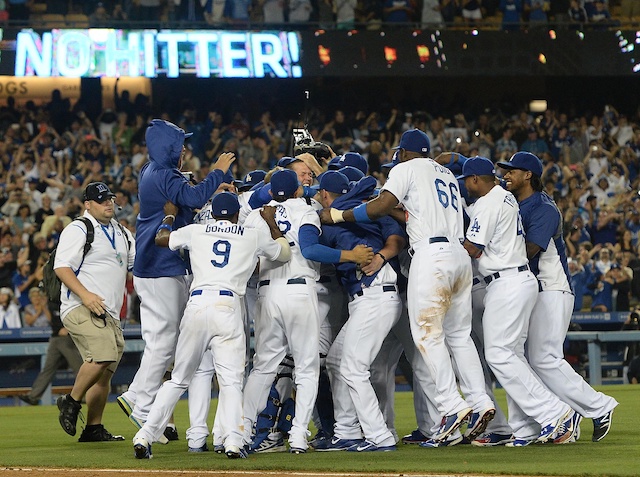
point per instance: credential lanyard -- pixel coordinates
(112, 238)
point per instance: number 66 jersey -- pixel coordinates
(224, 254)
(431, 198)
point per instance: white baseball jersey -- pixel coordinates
(495, 224)
(420, 183)
(291, 215)
(103, 270)
(225, 247)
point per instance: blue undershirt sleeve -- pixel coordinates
(312, 249)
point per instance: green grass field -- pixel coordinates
(32, 437)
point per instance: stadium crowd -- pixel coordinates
(50, 152)
(341, 14)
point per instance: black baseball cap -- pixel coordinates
(98, 192)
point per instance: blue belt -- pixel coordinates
(494, 276)
(385, 288)
(220, 292)
(438, 239)
(476, 281)
(291, 281)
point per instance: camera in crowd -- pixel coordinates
(634, 319)
(304, 142)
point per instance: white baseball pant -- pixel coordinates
(162, 304)
(547, 330)
(507, 310)
(212, 321)
(288, 320)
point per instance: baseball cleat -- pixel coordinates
(601, 426)
(567, 430)
(432, 443)
(297, 450)
(550, 429)
(197, 450)
(69, 410)
(271, 443)
(171, 433)
(126, 405)
(235, 452)
(98, 434)
(416, 437)
(450, 423)
(141, 448)
(138, 423)
(520, 442)
(319, 437)
(491, 439)
(218, 449)
(337, 444)
(368, 446)
(478, 422)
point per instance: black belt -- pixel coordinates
(291, 281)
(385, 288)
(489, 278)
(324, 279)
(221, 292)
(476, 281)
(438, 239)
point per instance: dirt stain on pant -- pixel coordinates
(430, 319)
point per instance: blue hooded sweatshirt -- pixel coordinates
(160, 181)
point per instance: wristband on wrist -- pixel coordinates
(384, 259)
(360, 213)
(336, 215)
(164, 227)
(170, 215)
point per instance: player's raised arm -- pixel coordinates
(164, 230)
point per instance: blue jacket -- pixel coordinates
(160, 181)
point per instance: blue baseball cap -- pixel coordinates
(225, 204)
(286, 160)
(352, 173)
(284, 183)
(334, 164)
(524, 161)
(251, 179)
(477, 166)
(335, 181)
(356, 160)
(414, 140)
(394, 162)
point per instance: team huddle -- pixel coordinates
(468, 278)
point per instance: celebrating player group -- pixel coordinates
(466, 274)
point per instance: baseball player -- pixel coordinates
(542, 222)
(287, 324)
(374, 308)
(161, 277)
(495, 238)
(439, 288)
(224, 257)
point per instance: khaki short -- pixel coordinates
(97, 340)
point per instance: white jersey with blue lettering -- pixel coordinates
(223, 254)
(420, 185)
(496, 226)
(291, 215)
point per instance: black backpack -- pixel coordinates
(51, 284)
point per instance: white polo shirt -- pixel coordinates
(103, 270)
